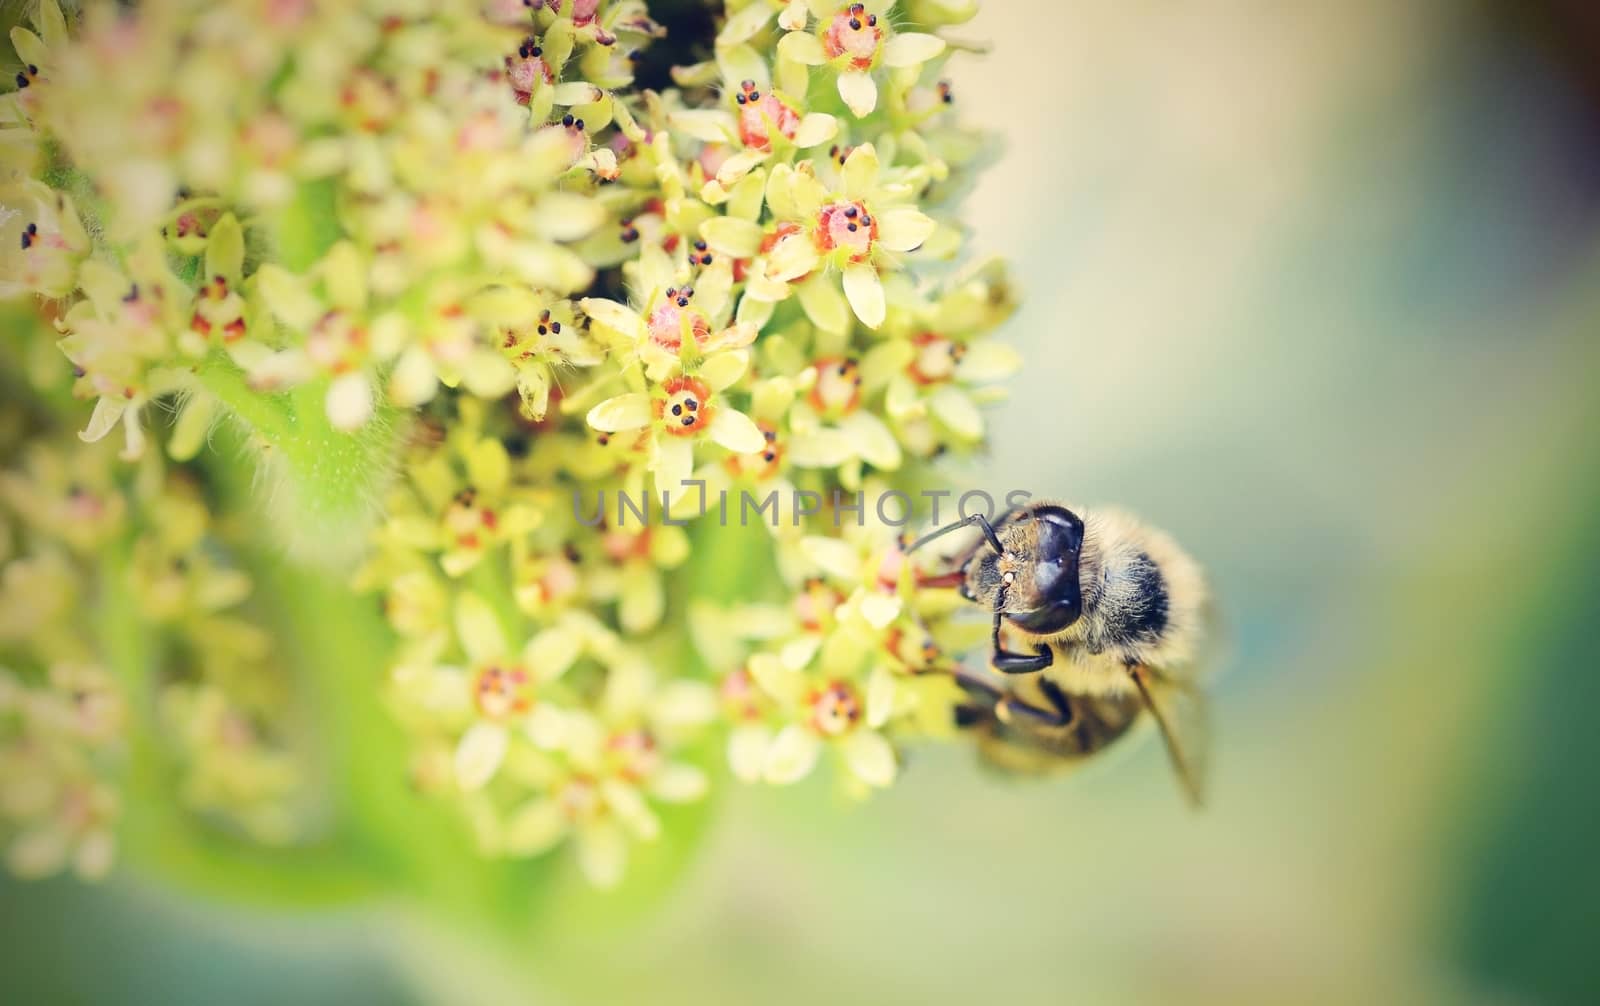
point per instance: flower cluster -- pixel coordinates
(112, 579)
(456, 265)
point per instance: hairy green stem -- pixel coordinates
(323, 487)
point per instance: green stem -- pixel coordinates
(325, 485)
(157, 833)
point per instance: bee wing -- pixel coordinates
(1180, 710)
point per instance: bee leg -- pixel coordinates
(1058, 700)
(968, 715)
(1010, 707)
(1020, 663)
(1007, 662)
(976, 687)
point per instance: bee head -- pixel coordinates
(1029, 572)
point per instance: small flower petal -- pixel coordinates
(911, 48)
(800, 47)
(349, 401)
(870, 757)
(624, 412)
(859, 92)
(988, 361)
(864, 291)
(704, 124)
(724, 370)
(535, 827)
(552, 651)
(860, 172)
(792, 755)
(602, 853)
(31, 49)
(747, 752)
(735, 431)
(834, 556)
(784, 683)
(792, 258)
(679, 783)
(478, 629)
(880, 697)
(820, 448)
(902, 228)
(674, 463)
(872, 440)
(630, 807)
(732, 236)
(107, 411)
(879, 610)
(479, 754)
(816, 128)
(642, 602)
(824, 305)
(612, 315)
(955, 409)
(743, 25)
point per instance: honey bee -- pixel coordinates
(1116, 616)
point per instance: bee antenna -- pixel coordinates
(977, 518)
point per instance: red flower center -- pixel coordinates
(935, 360)
(686, 410)
(634, 754)
(761, 112)
(814, 606)
(848, 226)
(336, 342)
(620, 546)
(674, 315)
(468, 524)
(853, 33)
(503, 692)
(762, 464)
(838, 388)
(527, 70)
(740, 697)
(835, 709)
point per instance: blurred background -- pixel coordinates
(1316, 287)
